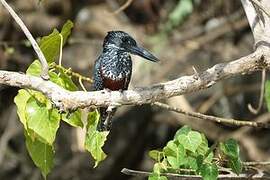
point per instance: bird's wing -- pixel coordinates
(98, 82)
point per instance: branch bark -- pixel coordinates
(259, 175)
(66, 100)
(230, 121)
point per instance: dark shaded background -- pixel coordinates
(215, 32)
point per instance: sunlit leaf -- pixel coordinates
(50, 45)
(95, 140)
(66, 30)
(203, 147)
(209, 171)
(66, 81)
(43, 121)
(73, 119)
(191, 141)
(34, 69)
(41, 153)
(182, 131)
(20, 101)
(155, 176)
(156, 155)
(190, 163)
(174, 153)
(170, 149)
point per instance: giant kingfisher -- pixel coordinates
(113, 68)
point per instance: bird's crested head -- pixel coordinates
(122, 41)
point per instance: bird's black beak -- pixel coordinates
(140, 51)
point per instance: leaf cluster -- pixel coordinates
(189, 153)
(41, 119)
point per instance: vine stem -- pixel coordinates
(72, 73)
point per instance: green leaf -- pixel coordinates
(42, 154)
(267, 94)
(155, 176)
(170, 149)
(175, 159)
(66, 81)
(183, 131)
(230, 148)
(236, 165)
(20, 101)
(34, 69)
(209, 158)
(73, 119)
(50, 45)
(191, 141)
(156, 155)
(231, 151)
(190, 162)
(209, 171)
(43, 121)
(199, 160)
(159, 167)
(95, 140)
(203, 147)
(66, 30)
(62, 79)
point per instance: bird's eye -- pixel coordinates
(128, 41)
(125, 40)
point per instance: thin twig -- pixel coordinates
(81, 84)
(123, 7)
(44, 64)
(251, 109)
(257, 163)
(72, 73)
(60, 50)
(213, 118)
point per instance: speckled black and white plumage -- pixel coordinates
(113, 68)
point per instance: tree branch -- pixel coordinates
(66, 100)
(233, 122)
(188, 177)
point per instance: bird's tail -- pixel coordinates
(105, 121)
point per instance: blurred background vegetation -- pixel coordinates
(182, 33)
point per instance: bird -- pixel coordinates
(113, 69)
